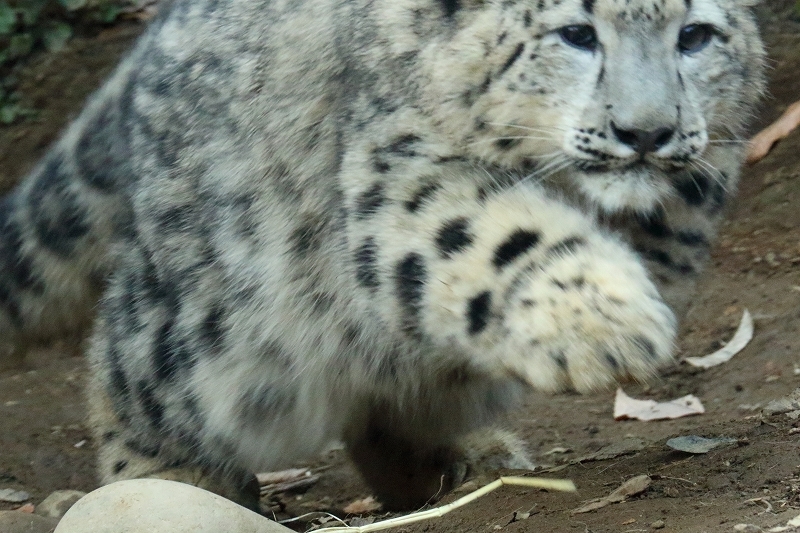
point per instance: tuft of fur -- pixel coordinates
(377, 221)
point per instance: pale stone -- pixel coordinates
(157, 505)
(18, 522)
(58, 503)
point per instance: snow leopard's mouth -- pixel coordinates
(639, 186)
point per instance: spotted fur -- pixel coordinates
(377, 221)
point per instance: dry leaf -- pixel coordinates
(26, 508)
(362, 506)
(740, 339)
(635, 485)
(627, 407)
(615, 449)
(282, 476)
(762, 143)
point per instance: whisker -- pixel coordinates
(547, 129)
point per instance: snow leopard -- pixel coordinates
(378, 222)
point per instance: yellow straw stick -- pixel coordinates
(563, 485)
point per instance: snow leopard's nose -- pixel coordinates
(643, 141)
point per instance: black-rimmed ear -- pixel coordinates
(450, 7)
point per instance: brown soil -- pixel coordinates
(44, 444)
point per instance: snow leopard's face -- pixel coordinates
(615, 96)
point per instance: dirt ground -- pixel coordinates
(44, 444)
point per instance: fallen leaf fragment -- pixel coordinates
(791, 525)
(695, 444)
(557, 450)
(615, 449)
(786, 405)
(362, 506)
(627, 407)
(26, 508)
(291, 480)
(743, 335)
(762, 143)
(635, 485)
(281, 476)
(13, 496)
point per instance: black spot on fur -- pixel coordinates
(612, 361)
(693, 189)
(565, 246)
(450, 7)
(103, 150)
(151, 407)
(423, 193)
(380, 166)
(478, 312)
(517, 244)
(370, 201)
(118, 385)
(57, 215)
(410, 277)
(308, 236)
(142, 448)
(527, 18)
(323, 301)
(647, 347)
(663, 258)
(692, 238)
(453, 237)
(212, 332)
(588, 6)
(560, 359)
(507, 143)
(16, 269)
(366, 257)
(402, 146)
(119, 466)
(165, 353)
(654, 224)
(512, 58)
(350, 335)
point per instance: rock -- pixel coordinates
(695, 444)
(16, 522)
(157, 505)
(658, 524)
(13, 496)
(58, 503)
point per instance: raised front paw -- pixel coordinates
(584, 316)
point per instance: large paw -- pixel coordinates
(585, 317)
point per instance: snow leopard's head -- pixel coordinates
(617, 96)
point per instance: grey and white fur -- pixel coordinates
(376, 221)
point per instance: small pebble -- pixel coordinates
(658, 524)
(14, 496)
(58, 503)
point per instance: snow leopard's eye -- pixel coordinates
(694, 37)
(580, 36)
